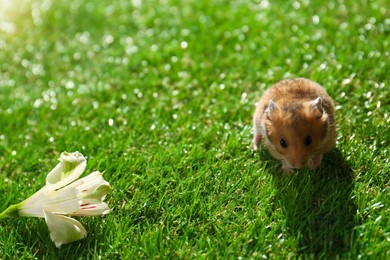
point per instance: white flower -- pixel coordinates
(63, 196)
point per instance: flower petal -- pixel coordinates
(33, 205)
(91, 180)
(92, 191)
(63, 229)
(92, 186)
(91, 209)
(62, 201)
(71, 166)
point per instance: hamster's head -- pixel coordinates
(295, 131)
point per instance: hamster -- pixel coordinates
(296, 119)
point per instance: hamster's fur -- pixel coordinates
(296, 119)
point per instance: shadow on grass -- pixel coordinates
(319, 211)
(34, 240)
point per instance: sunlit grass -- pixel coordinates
(160, 94)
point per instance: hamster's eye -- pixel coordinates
(308, 140)
(283, 143)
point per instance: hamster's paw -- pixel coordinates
(256, 141)
(315, 162)
(287, 170)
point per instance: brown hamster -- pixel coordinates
(296, 119)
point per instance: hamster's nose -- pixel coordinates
(297, 162)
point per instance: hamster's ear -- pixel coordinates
(271, 107)
(316, 103)
(316, 107)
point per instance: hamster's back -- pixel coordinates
(293, 91)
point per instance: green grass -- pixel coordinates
(180, 79)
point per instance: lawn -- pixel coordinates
(159, 95)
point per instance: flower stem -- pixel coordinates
(11, 211)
